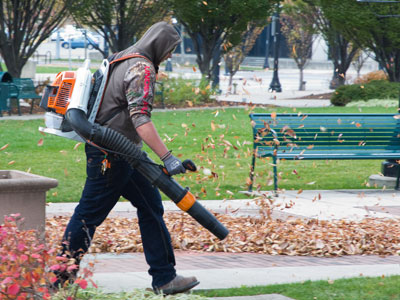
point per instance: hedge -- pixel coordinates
(377, 89)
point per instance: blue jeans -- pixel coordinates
(101, 193)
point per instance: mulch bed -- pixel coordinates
(317, 96)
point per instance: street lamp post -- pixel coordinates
(275, 85)
(58, 44)
(85, 38)
(266, 62)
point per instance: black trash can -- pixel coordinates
(5, 77)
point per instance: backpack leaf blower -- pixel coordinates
(72, 102)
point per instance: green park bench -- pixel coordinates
(324, 136)
(18, 88)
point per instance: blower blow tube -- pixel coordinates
(138, 159)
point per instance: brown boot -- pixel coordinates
(179, 284)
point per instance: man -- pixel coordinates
(126, 108)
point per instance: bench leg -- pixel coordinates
(253, 165)
(397, 180)
(32, 103)
(17, 104)
(18, 107)
(275, 176)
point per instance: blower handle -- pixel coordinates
(187, 164)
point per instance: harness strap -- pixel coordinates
(133, 55)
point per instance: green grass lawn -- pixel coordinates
(219, 140)
(362, 288)
(54, 69)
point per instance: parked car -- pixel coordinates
(79, 42)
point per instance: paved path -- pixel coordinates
(310, 204)
(228, 270)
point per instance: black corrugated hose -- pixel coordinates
(138, 159)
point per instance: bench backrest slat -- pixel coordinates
(319, 132)
(26, 87)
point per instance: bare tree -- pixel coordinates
(213, 23)
(298, 27)
(118, 21)
(341, 48)
(24, 25)
(234, 57)
(359, 60)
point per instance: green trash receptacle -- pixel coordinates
(5, 77)
(8, 91)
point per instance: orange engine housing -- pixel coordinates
(61, 90)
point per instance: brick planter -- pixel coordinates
(25, 193)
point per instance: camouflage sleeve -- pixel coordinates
(139, 84)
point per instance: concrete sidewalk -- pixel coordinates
(310, 204)
(124, 272)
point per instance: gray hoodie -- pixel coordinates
(129, 95)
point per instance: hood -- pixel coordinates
(155, 43)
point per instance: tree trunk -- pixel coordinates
(230, 84)
(302, 86)
(203, 57)
(14, 66)
(334, 84)
(215, 66)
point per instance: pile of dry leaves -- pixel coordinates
(252, 234)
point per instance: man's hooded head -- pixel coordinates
(157, 42)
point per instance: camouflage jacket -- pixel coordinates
(129, 95)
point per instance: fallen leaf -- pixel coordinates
(212, 126)
(77, 145)
(4, 147)
(246, 91)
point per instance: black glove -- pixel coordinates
(173, 165)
